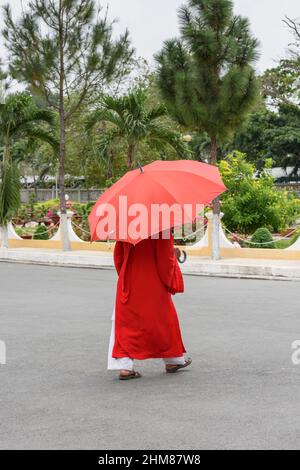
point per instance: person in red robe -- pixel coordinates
(145, 322)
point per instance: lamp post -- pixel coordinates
(215, 232)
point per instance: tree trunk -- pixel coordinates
(110, 165)
(213, 150)
(4, 227)
(66, 245)
(130, 155)
(35, 187)
(216, 205)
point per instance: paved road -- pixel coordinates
(241, 392)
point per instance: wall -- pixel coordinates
(76, 195)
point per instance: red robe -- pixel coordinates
(146, 322)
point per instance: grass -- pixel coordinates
(282, 244)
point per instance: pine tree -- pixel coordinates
(206, 77)
(64, 50)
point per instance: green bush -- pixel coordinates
(262, 238)
(45, 205)
(40, 233)
(40, 211)
(23, 212)
(252, 203)
(25, 231)
(90, 206)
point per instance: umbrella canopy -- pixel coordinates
(154, 198)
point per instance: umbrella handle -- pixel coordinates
(180, 255)
(183, 256)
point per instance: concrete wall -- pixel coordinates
(290, 187)
(76, 195)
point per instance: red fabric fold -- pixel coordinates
(177, 285)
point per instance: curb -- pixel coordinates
(193, 267)
(58, 259)
(267, 272)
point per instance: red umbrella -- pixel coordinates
(154, 198)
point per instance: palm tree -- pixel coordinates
(19, 118)
(129, 120)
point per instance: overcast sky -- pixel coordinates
(150, 22)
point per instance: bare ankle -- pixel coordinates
(126, 372)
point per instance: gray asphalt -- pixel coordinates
(241, 392)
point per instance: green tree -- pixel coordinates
(252, 138)
(129, 119)
(281, 84)
(36, 160)
(19, 118)
(206, 77)
(65, 52)
(252, 203)
(284, 137)
(272, 134)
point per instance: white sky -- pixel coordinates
(150, 22)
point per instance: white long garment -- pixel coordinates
(126, 363)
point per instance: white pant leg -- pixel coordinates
(125, 363)
(174, 360)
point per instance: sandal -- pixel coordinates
(172, 369)
(132, 375)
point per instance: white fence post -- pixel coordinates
(223, 240)
(2, 352)
(71, 234)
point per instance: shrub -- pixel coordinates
(90, 206)
(23, 212)
(40, 211)
(25, 231)
(252, 203)
(40, 233)
(50, 204)
(262, 238)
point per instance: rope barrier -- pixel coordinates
(191, 235)
(263, 243)
(243, 239)
(249, 242)
(40, 233)
(80, 228)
